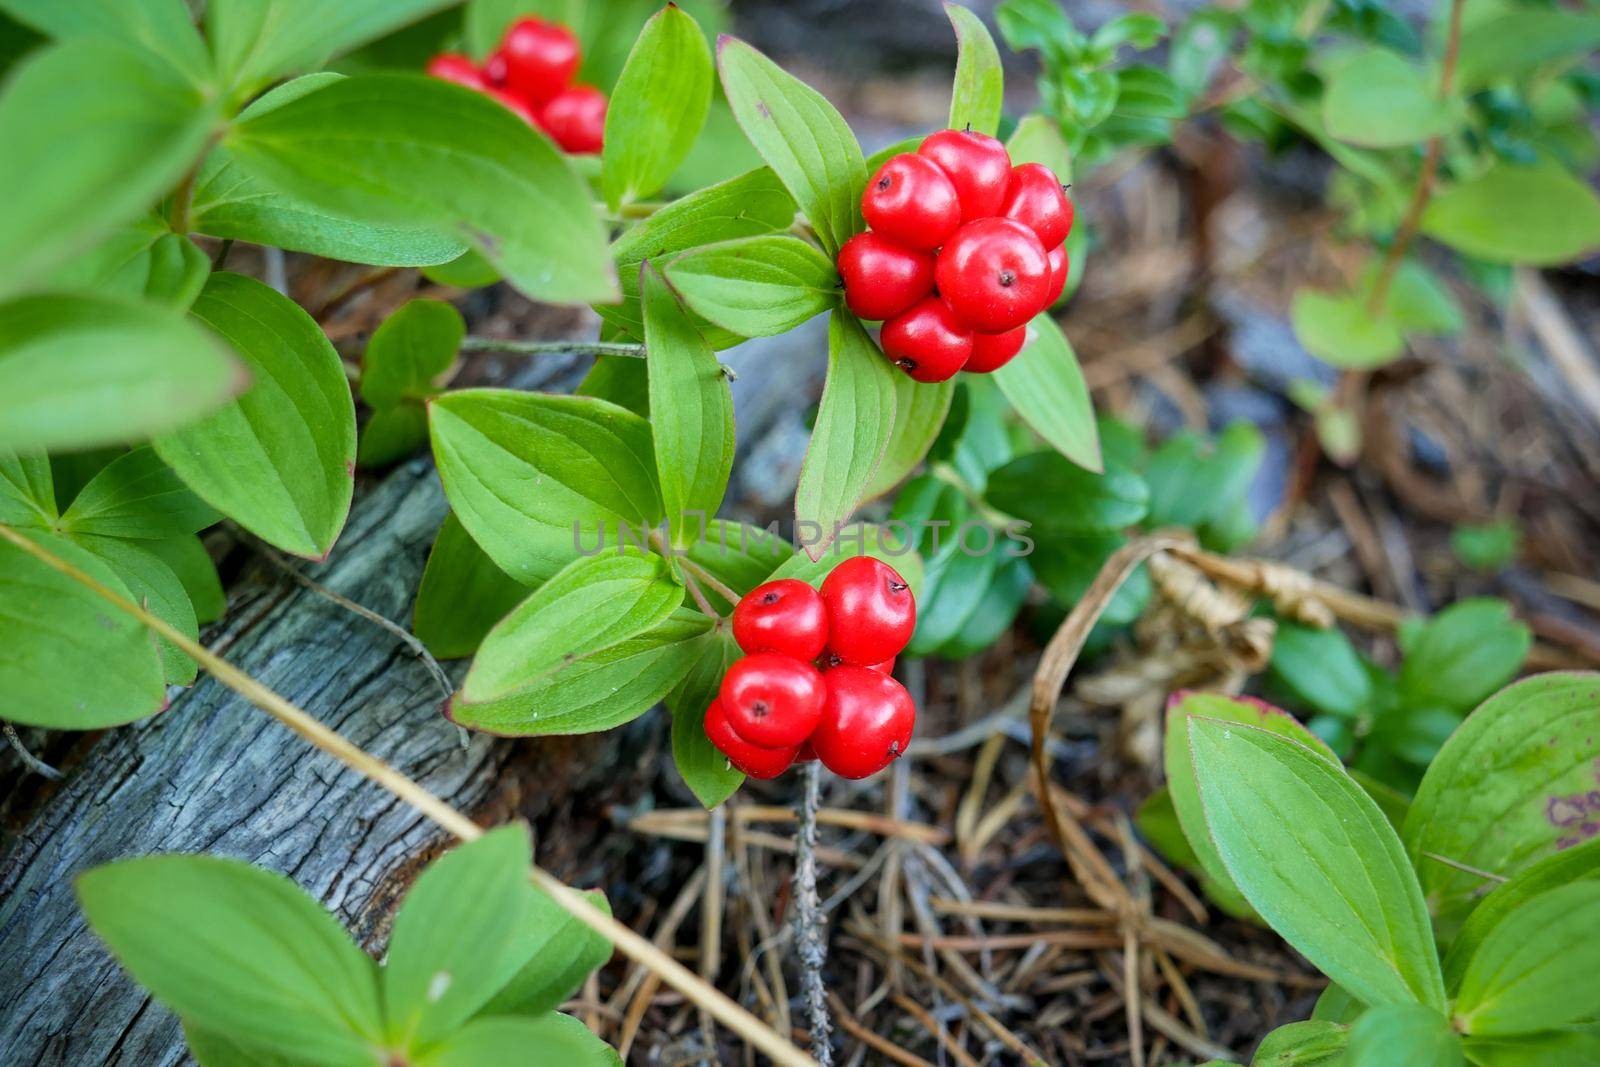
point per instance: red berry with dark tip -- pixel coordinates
(994, 274)
(1060, 265)
(867, 724)
(513, 103)
(871, 611)
(575, 118)
(786, 616)
(1035, 198)
(881, 278)
(830, 660)
(927, 341)
(753, 760)
(991, 351)
(454, 67)
(912, 202)
(976, 164)
(772, 700)
(541, 58)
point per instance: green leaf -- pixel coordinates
(1539, 215)
(408, 150)
(1067, 565)
(979, 90)
(1046, 386)
(605, 690)
(1535, 969)
(80, 371)
(1335, 1005)
(561, 951)
(1193, 482)
(982, 624)
(658, 107)
(850, 437)
(212, 1049)
(857, 539)
(414, 346)
(1570, 1048)
(1042, 25)
(462, 595)
(255, 42)
(1037, 139)
(392, 434)
(1338, 329)
(279, 460)
(589, 606)
(1140, 29)
(1064, 499)
(1304, 1044)
(189, 560)
(145, 261)
(548, 1039)
(1199, 46)
(1321, 669)
(704, 769)
(72, 660)
(454, 943)
(802, 138)
(137, 495)
(155, 587)
(756, 286)
(1417, 302)
(27, 489)
(592, 463)
(239, 950)
(919, 414)
(1413, 1034)
(1463, 654)
(135, 125)
(164, 28)
(1522, 40)
(1317, 859)
(1489, 546)
(692, 410)
(1375, 97)
(746, 206)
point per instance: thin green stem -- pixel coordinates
(716, 584)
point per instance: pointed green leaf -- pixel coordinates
(549, 1039)
(1463, 654)
(1517, 41)
(462, 595)
(1535, 969)
(142, 261)
(1540, 215)
(704, 769)
(165, 28)
(1321, 669)
(1412, 1034)
(1304, 1044)
(1569, 1048)
(657, 107)
(239, 950)
(155, 587)
(1066, 499)
(1045, 385)
(412, 347)
(212, 1049)
(562, 950)
(27, 489)
(756, 286)
(1037, 139)
(190, 561)
(137, 495)
(919, 414)
(392, 434)
(1375, 97)
(980, 84)
(279, 460)
(1338, 329)
(801, 136)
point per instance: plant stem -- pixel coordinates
(568, 348)
(32, 762)
(717, 585)
(811, 945)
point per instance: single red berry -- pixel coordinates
(911, 202)
(829, 660)
(454, 67)
(784, 616)
(927, 341)
(772, 700)
(976, 164)
(1035, 198)
(494, 68)
(753, 760)
(994, 273)
(881, 278)
(867, 723)
(541, 58)
(991, 351)
(576, 119)
(871, 611)
(1060, 264)
(513, 103)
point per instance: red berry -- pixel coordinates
(830, 660)
(513, 103)
(927, 341)
(867, 724)
(807, 754)
(1035, 198)
(772, 700)
(541, 58)
(881, 278)
(991, 351)
(976, 164)
(911, 202)
(753, 760)
(886, 667)
(576, 119)
(494, 68)
(871, 611)
(784, 616)
(994, 273)
(1060, 264)
(454, 67)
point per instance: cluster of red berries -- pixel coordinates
(963, 250)
(815, 682)
(531, 73)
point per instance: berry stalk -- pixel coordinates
(811, 944)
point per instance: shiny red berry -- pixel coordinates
(1060, 264)
(867, 723)
(991, 351)
(1035, 198)
(830, 660)
(785, 616)
(994, 274)
(541, 58)
(807, 754)
(881, 278)
(976, 164)
(871, 611)
(513, 103)
(753, 760)
(454, 67)
(911, 202)
(927, 341)
(576, 119)
(772, 700)
(494, 68)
